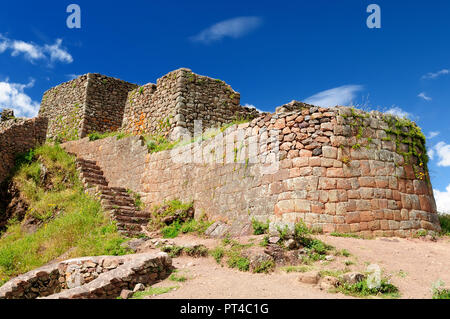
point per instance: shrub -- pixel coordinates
(445, 223)
(264, 267)
(239, 262)
(361, 289)
(217, 253)
(259, 228)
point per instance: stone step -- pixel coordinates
(89, 170)
(119, 190)
(127, 199)
(130, 220)
(93, 176)
(94, 181)
(135, 213)
(85, 161)
(87, 165)
(129, 227)
(131, 233)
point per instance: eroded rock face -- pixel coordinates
(89, 277)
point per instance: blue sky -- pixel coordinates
(272, 52)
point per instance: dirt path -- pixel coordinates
(412, 264)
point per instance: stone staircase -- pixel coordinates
(115, 200)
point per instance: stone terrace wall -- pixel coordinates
(105, 104)
(90, 103)
(178, 99)
(340, 170)
(88, 277)
(64, 105)
(18, 136)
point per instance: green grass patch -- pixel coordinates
(290, 269)
(154, 291)
(344, 235)
(361, 289)
(177, 278)
(94, 136)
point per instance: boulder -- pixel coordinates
(217, 230)
(126, 294)
(311, 277)
(352, 278)
(328, 282)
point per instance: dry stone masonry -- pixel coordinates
(102, 277)
(177, 100)
(89, 103)
(339, 169)
(18, 135)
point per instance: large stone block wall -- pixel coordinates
(340, 170)
(89, 103)
(177, 100)
(64, 106)
(18, 136)
(105, 104)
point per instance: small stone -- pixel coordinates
(126, 294)
(311, 277)
(139, 287)
(274, 239)
(291, 244)
(329, 258)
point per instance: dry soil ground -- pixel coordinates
(413, 265)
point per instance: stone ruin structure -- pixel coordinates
(338, 169)
(96, 103)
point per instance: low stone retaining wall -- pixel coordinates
(102, 277)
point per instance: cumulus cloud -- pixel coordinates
(442, 150)
(443, 200)
(434, 75)
(430, 153)
(232, 28)
(342, 95)
(397, 111)
(424, 96)
(12, 95)
(33, 52)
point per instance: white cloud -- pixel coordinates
(434, 75)
(443, 152)
(12, 95)
(57, 53)
(430, 153)
(342, 95)
(233, 28)
(33, 52)
(443, 200)
(433, 135)
(424, 96)
(72, 76)
(397, 111)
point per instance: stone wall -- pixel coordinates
(339, 170)
(105, 104)
(89, 277)
(64, 106)
(18, 136)
(89, 103)
(178, 99)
